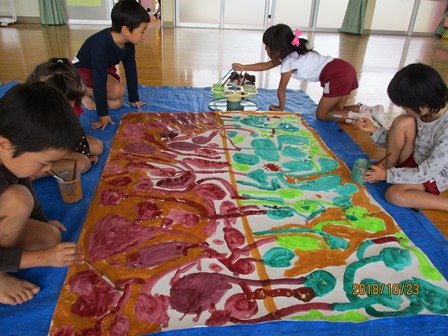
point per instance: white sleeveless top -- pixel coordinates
(305, 67)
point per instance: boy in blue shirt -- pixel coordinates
(37, 127)
(97, 59)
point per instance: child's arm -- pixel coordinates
(262, 66)
(130, 68)
(378, 134)
(281, 92)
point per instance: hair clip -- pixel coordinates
(296, 41)
(60, 61)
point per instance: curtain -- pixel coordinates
(354, 17)
(52, 12)
(441, 27)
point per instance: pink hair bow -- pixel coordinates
(296, 41)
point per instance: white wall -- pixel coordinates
(27, 7)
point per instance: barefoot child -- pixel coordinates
(37, 127)
(417, 167)
(60, 73)
(97, 59)
(296, 60)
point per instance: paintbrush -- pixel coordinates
(74, 170)
(56, 176)
(102, 276)
(382, 159)
(226, 74)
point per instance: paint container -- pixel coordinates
(359, 168)
(217, 91)
(70, 189)
(234, 102)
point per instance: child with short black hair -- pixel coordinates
(37, 128)
(285, 48)
(417, 167)
(61, 74)
(97, 59)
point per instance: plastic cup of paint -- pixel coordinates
(217, 87)
(70, 189)
(234, 102)
(359, 168)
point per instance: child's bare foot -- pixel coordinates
(14, 291)
(88, 102)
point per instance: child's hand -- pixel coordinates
(139, 104)
(275, 108)
(104, 121)
(237, 67)
(375, 174)
(365, 124)
(63, 254)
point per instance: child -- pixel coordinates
(37, 128)
(60, 73)
(337, 77)
(101, 52)
(417, 141)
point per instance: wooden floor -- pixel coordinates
(200, 57)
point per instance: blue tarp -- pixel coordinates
(34, 317)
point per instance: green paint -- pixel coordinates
(240, 167)
(321, 282)
(370, 224)
(295, 140)
(425, 267)
(259, 176)
(342, 201)
(278, 257)
(293, 152)
(256, 121)
(347, 189)
(297, 166)
(315, 315)
(434, 298)
(323, 183)
(362, 248)
(300, 243)
(396, 258)
(232, 134)
(290, 193)
(333, 242)
(245, 158)
(287, 127)
(278, 214)
(266, 149)
(328, 164)
(238, 139)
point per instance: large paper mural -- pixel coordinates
(232, 218)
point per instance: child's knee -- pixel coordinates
(395, 195)
(115, 104)
(96, 147)
(16, 201)
(83, 164)
(116, 92)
